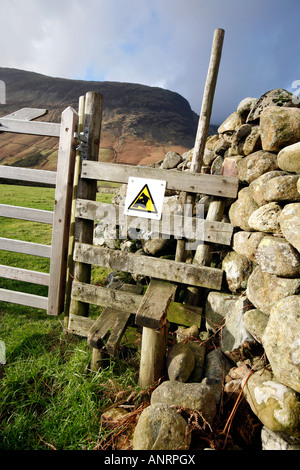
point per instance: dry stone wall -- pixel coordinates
(251, 328)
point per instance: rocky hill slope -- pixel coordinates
(140, 123)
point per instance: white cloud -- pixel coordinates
(163, 43)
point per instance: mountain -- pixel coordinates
(140, 123)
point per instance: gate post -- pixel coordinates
(62, 208)
(84, 229)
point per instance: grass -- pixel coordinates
(49, 398)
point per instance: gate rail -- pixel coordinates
(62, 179)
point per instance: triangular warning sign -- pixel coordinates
(143, 201)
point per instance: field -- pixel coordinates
(49, 398)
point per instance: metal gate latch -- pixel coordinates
(83, 138)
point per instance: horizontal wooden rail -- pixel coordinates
(182, 314)
(215, 185)
(26, 213)
(177, 226)
(28, 174)
(29, 127)
(201, 276)
(102, 296)
(22, 298)
(25, 275)
(27, 248)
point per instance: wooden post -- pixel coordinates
(207, 102)
(216, 208)
(204, 120)
(87, 190)
(70, 263)
(61, 218)
(153, 351)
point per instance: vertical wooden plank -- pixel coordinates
(87, 190)
(77, 168)
(61, 217)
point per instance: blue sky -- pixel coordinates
(164, 43)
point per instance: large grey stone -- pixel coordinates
(279, 127)
(271, 440)
(252, 142)
(216, 307)
(276, 405)
(290, 223)
(256, 164)
(180, 362)
(281, 341)
(246, 243)
(171, 160)
(255, 322)
(242, 208)
(231, 123)
(245, 106)
(289, 158)
(237, 270)
(161, 428)
(258, 186)
(282, 189)
(266, 218)
(277, 97)
(277, 256)
(234, 334)
(265, 289)
(192, 396)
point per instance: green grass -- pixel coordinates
(49, 398)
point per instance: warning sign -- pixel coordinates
(145, 198)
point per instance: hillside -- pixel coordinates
(140, 123)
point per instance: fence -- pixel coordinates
(62, 179)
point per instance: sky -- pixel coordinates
(164, 43)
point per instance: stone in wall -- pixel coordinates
(277, 256)
(277, 97)
(281, 341)
(276, 405)
(252, 142)
(282, 188)
(161, 428)
(279, 127)
(290, 223)
(217, 305)
(265, 289)
(258, 186)
(246, 243)
(194, 396)
(180, 362)
(242, 208)
(266, 218)
(256, 322)
(237, 270)
(289, 158)
(256, 164)
(235, 337)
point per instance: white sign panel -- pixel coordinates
(144, 198)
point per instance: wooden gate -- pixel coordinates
(62, 179)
